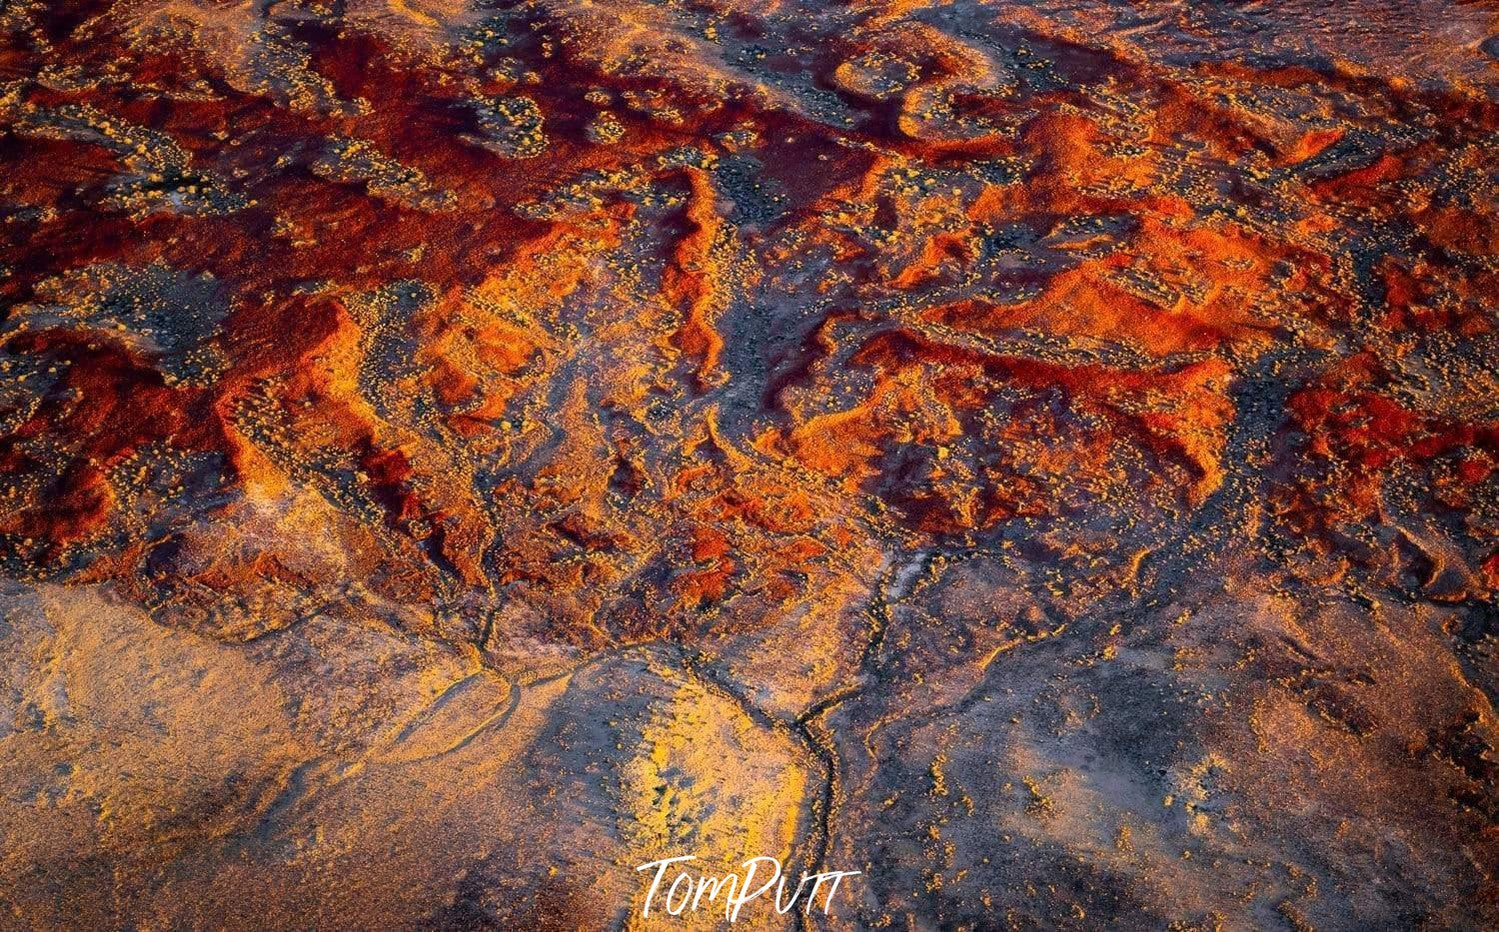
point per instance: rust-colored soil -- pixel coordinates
(1044, 456)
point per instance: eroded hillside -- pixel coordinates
(1041, 455)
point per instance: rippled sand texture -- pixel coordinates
(1042, 455)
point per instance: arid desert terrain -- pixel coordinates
(1043, 456)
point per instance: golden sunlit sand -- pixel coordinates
(1038, 456)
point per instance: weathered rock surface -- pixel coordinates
(1041, 455)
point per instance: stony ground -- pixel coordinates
(1042, 455)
